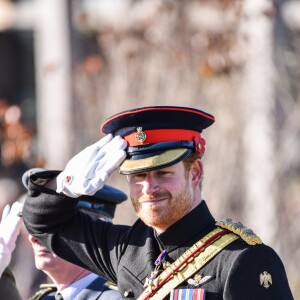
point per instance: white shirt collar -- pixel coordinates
(72, 291)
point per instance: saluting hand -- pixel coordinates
(87, 172)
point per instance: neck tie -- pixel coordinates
(59, 296)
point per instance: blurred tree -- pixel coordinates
(287, 127)
(214, 55)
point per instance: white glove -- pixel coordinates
(10, 228)
(87, 172)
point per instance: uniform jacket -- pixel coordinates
(125, 255)
(8, 288)
(95, 291)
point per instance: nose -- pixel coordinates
(150, 185)
(32, 239)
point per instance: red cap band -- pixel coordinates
(160, 135)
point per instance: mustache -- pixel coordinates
(154, 196)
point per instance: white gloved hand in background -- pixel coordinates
(87, 172)
(10, 228)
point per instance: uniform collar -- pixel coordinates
(72, 291)
(188, 230)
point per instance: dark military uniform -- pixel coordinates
(97, 290)
(126, 255)
(157, 137)
(46, 292)
(8, 288)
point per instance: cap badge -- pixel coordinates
(265, 279)
(141, 135)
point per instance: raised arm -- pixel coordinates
(52, 215)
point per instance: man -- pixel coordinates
(69, 280)
(176, 250)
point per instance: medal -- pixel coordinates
(152, 280)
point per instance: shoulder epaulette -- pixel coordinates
(238, 228)
(48, 285)
(45, 288)
(111, 285)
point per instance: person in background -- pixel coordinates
(10, 227)
(176, 250)
(27, 277)
(71, 282)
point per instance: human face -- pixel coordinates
(44, 259)
(162, 197)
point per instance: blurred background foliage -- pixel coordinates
(238, 60)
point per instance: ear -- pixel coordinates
(196, 172)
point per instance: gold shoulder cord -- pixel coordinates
(189, 268)
(236, 230)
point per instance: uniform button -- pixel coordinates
(128, 293)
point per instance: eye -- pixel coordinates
(138, 176)
(164, 173)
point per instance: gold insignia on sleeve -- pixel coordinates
(238, 228)
(141, 135)
(265, 279)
